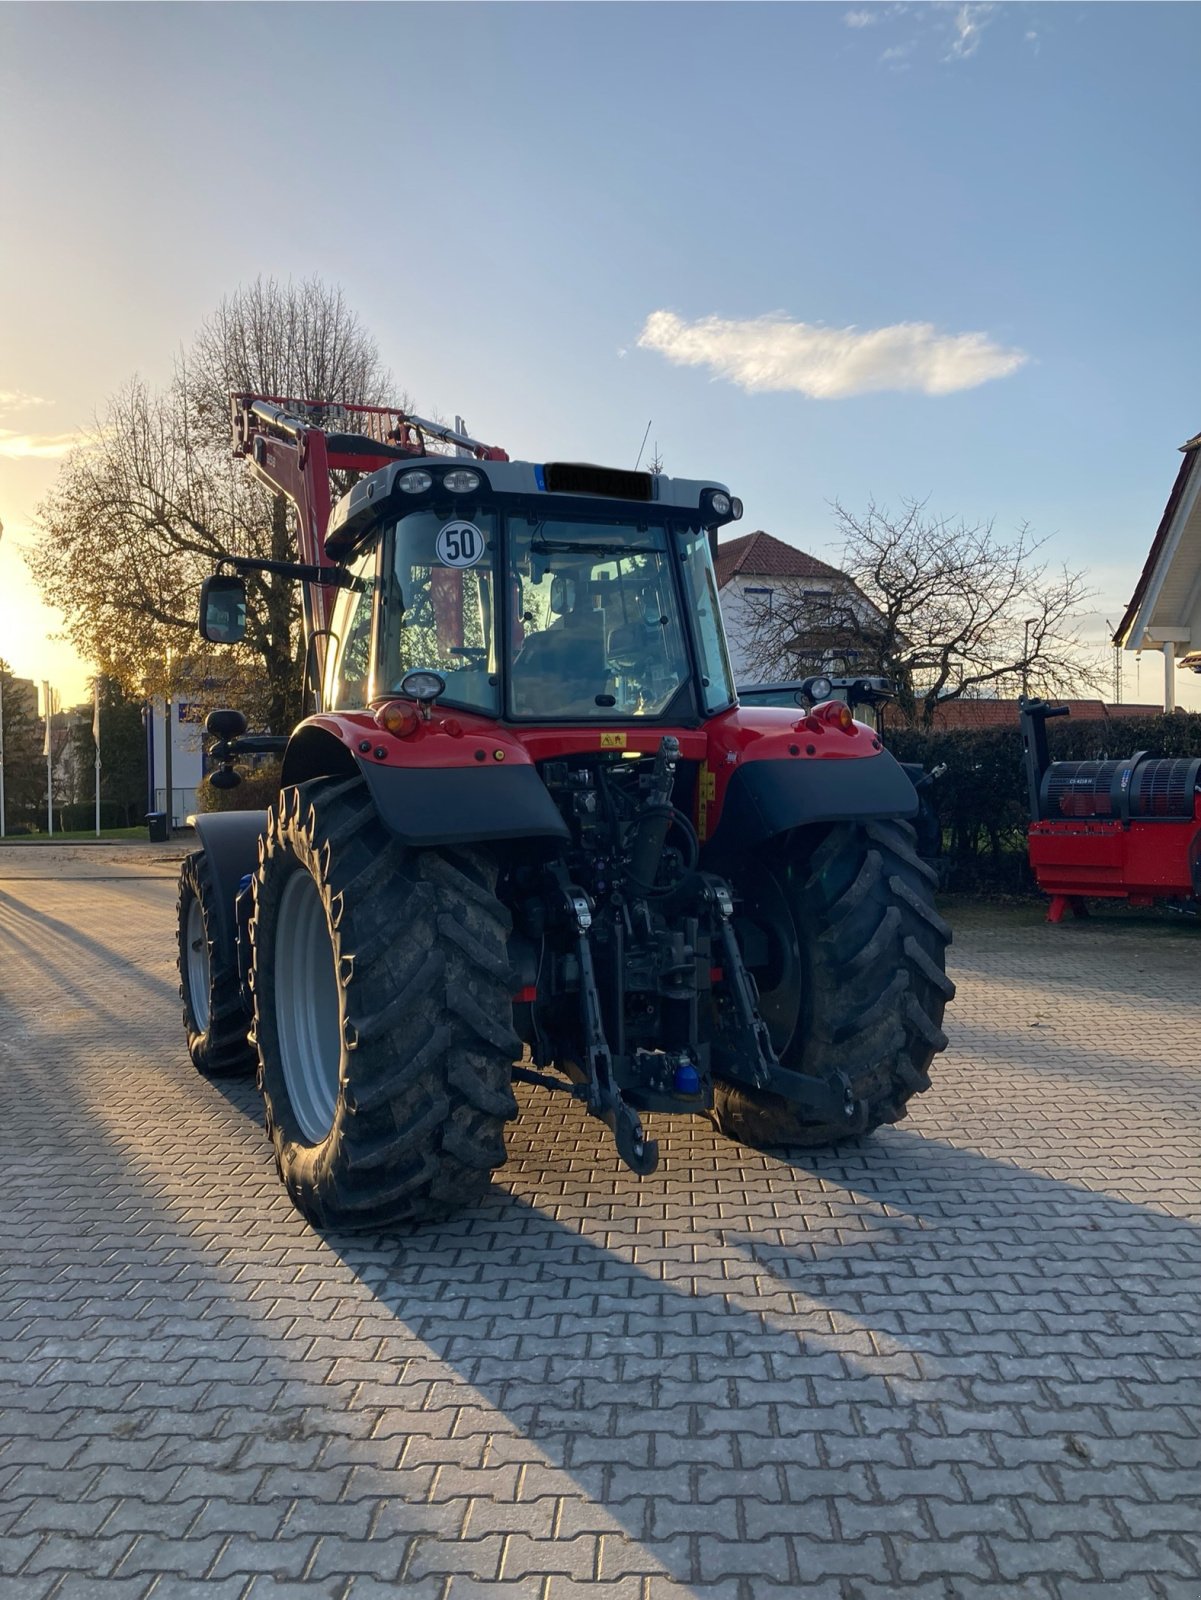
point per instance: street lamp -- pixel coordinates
(1026, 626)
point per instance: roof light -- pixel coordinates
(461, 480)
(414, 482)
(736, 508)
(719, 504)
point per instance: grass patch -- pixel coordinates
(80, 836)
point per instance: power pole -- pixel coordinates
(1116, 690)
(167, 743)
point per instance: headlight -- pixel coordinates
(423, 686)
(720, 504)
(414, 482)
(461, 480)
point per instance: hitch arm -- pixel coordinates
(602, 1097)
(605, 1100)
(824, 1100)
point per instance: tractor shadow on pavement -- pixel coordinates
(741, 1368)
(724, 1357)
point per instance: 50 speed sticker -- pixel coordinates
(459, 544)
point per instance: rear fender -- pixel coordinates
(436, 789)
(773, 772)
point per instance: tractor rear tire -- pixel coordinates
(856, 981)
(383, 1013)
(214, 1017)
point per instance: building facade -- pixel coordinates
(757, 570)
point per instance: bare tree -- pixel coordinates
(293, 341)
(944, 608)
(153, 500)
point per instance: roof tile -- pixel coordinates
(953, 714)
(760, 555)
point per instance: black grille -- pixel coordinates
(1136, 788)
(1081, 789)
(566, 477)
(1164, 788)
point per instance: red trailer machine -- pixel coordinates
(1113, 830)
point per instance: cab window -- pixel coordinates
(348, 686)
(439, 609)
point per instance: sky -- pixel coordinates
(826, 251)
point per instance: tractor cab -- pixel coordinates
(531, 605)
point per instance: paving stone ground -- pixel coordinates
(958, 1359)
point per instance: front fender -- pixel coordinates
(765, 798)
(230, 841)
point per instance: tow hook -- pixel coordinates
(638, 1152)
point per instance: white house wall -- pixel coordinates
(740, 612)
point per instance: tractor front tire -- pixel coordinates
(383, 1013)
(855, 979)
(214, 1017)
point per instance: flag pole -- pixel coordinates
(96, 737)
(48, 696)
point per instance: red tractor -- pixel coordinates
(529, 834)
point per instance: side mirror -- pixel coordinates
(223, 609)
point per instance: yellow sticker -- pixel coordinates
(613, 741)
(705, 792)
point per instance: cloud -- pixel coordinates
(40, 447)
(31, 446)
(967, 27)
(18, 400)
(870, 15)
(774, 354)
(896, 55)
(951, 29)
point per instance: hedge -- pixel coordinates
(258, 790)
(79, 815)
(981, 798)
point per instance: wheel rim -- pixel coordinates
(306, 1006)
(199, 977)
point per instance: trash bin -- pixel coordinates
(156, 821)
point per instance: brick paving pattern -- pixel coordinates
(957, 1360)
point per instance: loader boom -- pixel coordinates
(293, 446)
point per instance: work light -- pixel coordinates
(422, 685)
(461, 480)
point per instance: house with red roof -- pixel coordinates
(754, 568)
